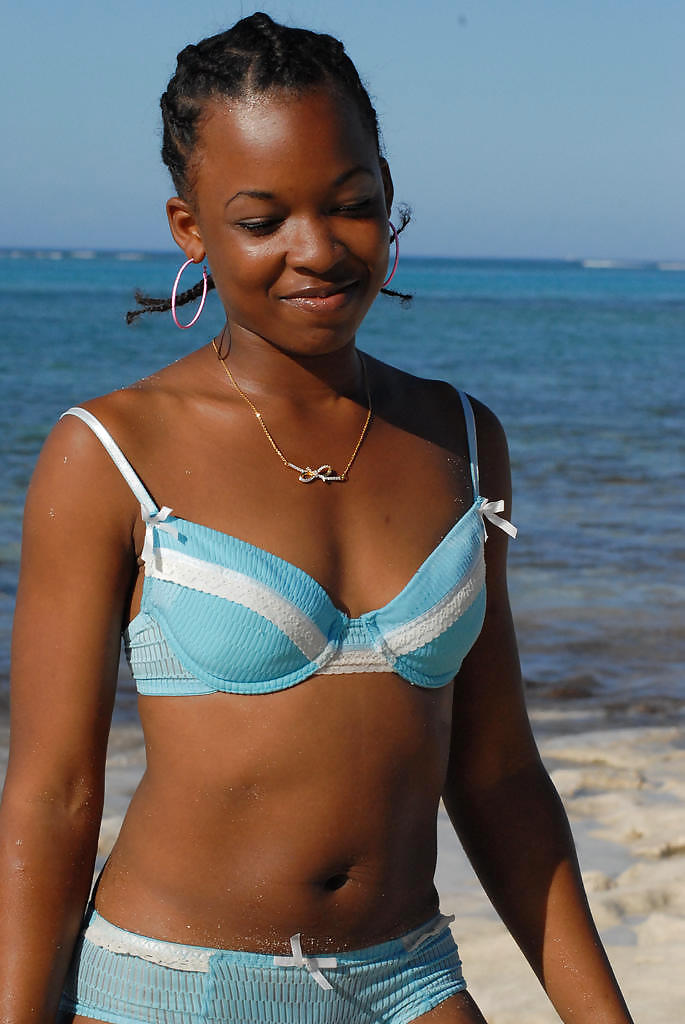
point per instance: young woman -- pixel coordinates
(292, 536)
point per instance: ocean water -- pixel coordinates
(583, 365)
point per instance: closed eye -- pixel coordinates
(264, 226)
(361, 207)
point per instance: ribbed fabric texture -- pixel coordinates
(127, 990)
(381, 985)
(196, 631)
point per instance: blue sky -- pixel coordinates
(513, 127)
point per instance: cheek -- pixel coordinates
(243, 269)
(245, 277)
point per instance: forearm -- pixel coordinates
(517, 837)
(47, 855)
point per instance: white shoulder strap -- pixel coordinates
(117, 456)
(472, 441)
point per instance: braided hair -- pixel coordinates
(255, 56)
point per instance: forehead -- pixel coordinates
(314, 136)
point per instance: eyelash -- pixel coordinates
(256, 227)
(259, 227)
(354, 207)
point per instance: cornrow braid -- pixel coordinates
(253, 57)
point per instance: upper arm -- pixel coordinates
(77, 566)
(491, 736)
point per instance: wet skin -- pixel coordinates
(312, 809)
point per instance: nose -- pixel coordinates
(313, 245)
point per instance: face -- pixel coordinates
(290, 205)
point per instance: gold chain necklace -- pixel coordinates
(306, 475)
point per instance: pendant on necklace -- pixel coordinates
(325, 473)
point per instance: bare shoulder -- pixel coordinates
(76, 479)
(435, 406)
(390, 382)
(427, 407)
(75, 476)
(80, 510)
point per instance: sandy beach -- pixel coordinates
(622, 778)
(623, 786)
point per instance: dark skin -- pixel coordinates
(312, 809)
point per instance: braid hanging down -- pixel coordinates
(254, 56)
(149, 304)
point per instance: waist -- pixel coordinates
(235, 891)
(98, 931)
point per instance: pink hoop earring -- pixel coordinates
(184, 327)
(396, 240)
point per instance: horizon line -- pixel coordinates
(53, 252)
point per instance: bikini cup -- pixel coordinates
(220, 614)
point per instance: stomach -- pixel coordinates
(308, 810)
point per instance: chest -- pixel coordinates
(361, 540)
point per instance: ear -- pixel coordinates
(388, 186)
(185, 229)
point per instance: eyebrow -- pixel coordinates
(251, 194)
(260, 194)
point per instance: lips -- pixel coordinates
(320, 298)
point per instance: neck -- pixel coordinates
(266, 370)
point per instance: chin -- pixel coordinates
(304, 334)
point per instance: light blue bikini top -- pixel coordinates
(220, 614)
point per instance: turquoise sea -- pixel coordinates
(583, 363)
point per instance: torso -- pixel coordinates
(312, 808)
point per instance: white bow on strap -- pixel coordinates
(152, 553)
(159, 518)
(489, 510)
(313, 964)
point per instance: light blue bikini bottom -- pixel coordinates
(125, 978)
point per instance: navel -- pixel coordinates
(336, 882)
